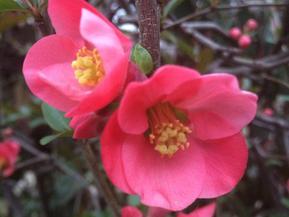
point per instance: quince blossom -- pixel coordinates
(9, 150)
(176, 137)
(85, 61)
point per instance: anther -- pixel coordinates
(88, 67)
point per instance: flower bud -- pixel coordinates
(251, 24)
(268, 112)
(244, 41)
(235, 33)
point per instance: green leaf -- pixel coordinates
(142, 58)
(9, 5)
(133, 200)
(47, 139)
(285, 202)
(55, 118)
(171, 6)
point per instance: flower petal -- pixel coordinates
(130, 211)
(9, 150)
(111, 145)
(65, 16)
(226, 161)
(157, 212)
(101, 36)
(205, 211)
(48, 73)
(217, 107)
(169, 183)
(139, 96)
(85, 126)
(104, 92)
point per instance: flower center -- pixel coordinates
(88, 67)
(167, 133)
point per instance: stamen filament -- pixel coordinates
(168, 134)
(88, 67)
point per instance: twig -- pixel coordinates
(103, 186)
(278, 59)
(40, 21)
(13, 202)
(68, 171)
(273, 121)
(264, 63)
(206, 11)
(149, 26)
(210, 43)
(188, 17)
(31, 162)
(267, 177)
(205, 25)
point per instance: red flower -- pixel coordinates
(130, 211)
(85, 61)
(235, 33)
(251, 24)
(176, 137)
(91, 124)
(9, 150)
(244, 41)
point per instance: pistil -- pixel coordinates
(88, 67)
(167, 133)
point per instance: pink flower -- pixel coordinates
(9, 150)
(91, 124)
(82, 67)
(176, 137)
(235, 33)
(157, 212)
(268, 112)
(88, 125)
(244, 41)
(85, 126)
(130, 211)
(205, 211)
(251, 24)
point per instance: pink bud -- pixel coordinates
(235, 33)
(244, 41)
(251, 24)
(7, 132)
(268, 112)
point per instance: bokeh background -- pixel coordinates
(53, 180)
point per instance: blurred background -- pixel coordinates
(249, 39)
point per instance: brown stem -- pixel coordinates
(103, 186)
(209, 10)
(149, 27)
(40, 21)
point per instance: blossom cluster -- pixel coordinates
(243, 36)
(170, 138)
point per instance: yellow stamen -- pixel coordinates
(168, 133)
(88, 67)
